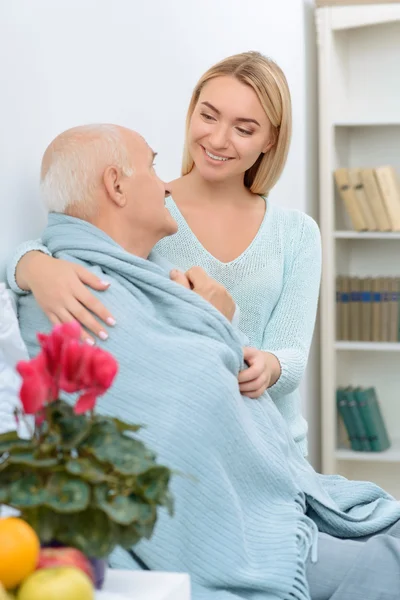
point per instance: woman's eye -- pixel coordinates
(207, 117)
(244, 131)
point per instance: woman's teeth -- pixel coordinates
(222, 158)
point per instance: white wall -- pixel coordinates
(70, 62)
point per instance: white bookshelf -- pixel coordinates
(359, 125)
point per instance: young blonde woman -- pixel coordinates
(238, 132)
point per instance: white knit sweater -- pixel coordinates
(275, 283)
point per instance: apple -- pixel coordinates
(3, 594)
(57, 583)
(65, 557)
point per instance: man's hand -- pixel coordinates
(264, 370)
(206, 287)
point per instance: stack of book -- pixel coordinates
(371, 197)
(361, 415)
(368, 309)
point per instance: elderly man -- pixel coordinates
(247, 523)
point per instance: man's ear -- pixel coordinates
(112, 179)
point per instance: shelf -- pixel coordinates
(394, 122)
(390, 455)
(368, 346)
(367, 235)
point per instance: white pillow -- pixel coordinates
(12, 350)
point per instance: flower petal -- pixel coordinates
(86, 402)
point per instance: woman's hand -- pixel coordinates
(59, 289)
(264, 370)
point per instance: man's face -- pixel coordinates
(146, 192)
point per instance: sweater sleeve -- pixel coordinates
(22, 249)
(289, 331)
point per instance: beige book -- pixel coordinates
(345, 309)
(339, 279)
(394, 309)
(358, 189)
(350, 200)
(355, 309)
(375, 199)
(376, 310)
(366, 309)
(390, 190)
(385, 308)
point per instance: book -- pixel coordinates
(355, 309)
(338, 307)
(354, 176)
(390, 190)
(385, 289)
(347, 418)
(360, 431)
(376, 310)
(375, 199)
(373, 420)
(350, 200)
(393, 310)
(345, 309)
(366, 310)
(361, 415)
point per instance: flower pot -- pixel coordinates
(99, 565)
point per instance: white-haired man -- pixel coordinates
(105, 174)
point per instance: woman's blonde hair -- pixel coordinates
(269, 83)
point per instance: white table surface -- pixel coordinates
(144, 585)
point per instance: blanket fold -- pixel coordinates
(247, 518)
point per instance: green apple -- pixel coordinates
(57, 583)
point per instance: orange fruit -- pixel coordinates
(19, 551)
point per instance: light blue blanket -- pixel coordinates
(240, 527)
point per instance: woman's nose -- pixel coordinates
(219, 137)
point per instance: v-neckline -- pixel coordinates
(200, 245)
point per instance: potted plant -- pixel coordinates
(81, 479)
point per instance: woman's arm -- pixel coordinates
(24, 250)
(60, 288)
(289, 331)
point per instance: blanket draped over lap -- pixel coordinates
(246, 520)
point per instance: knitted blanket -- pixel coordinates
(241, 528)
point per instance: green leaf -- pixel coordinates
(44, 521)
(71, 428)
(122, 426)
(28, 459)
(88, 469)
(168, 501)
(127, 455)
(128, 535)
(27, 491)
(66, 494)
(153, 484)
(90, 531)
(50, 443)
(11, 441)
(120, 509)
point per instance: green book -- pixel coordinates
(383, 438)
(361, 432)
(347, 415)
(363, 399)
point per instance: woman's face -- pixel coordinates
(228, 130)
